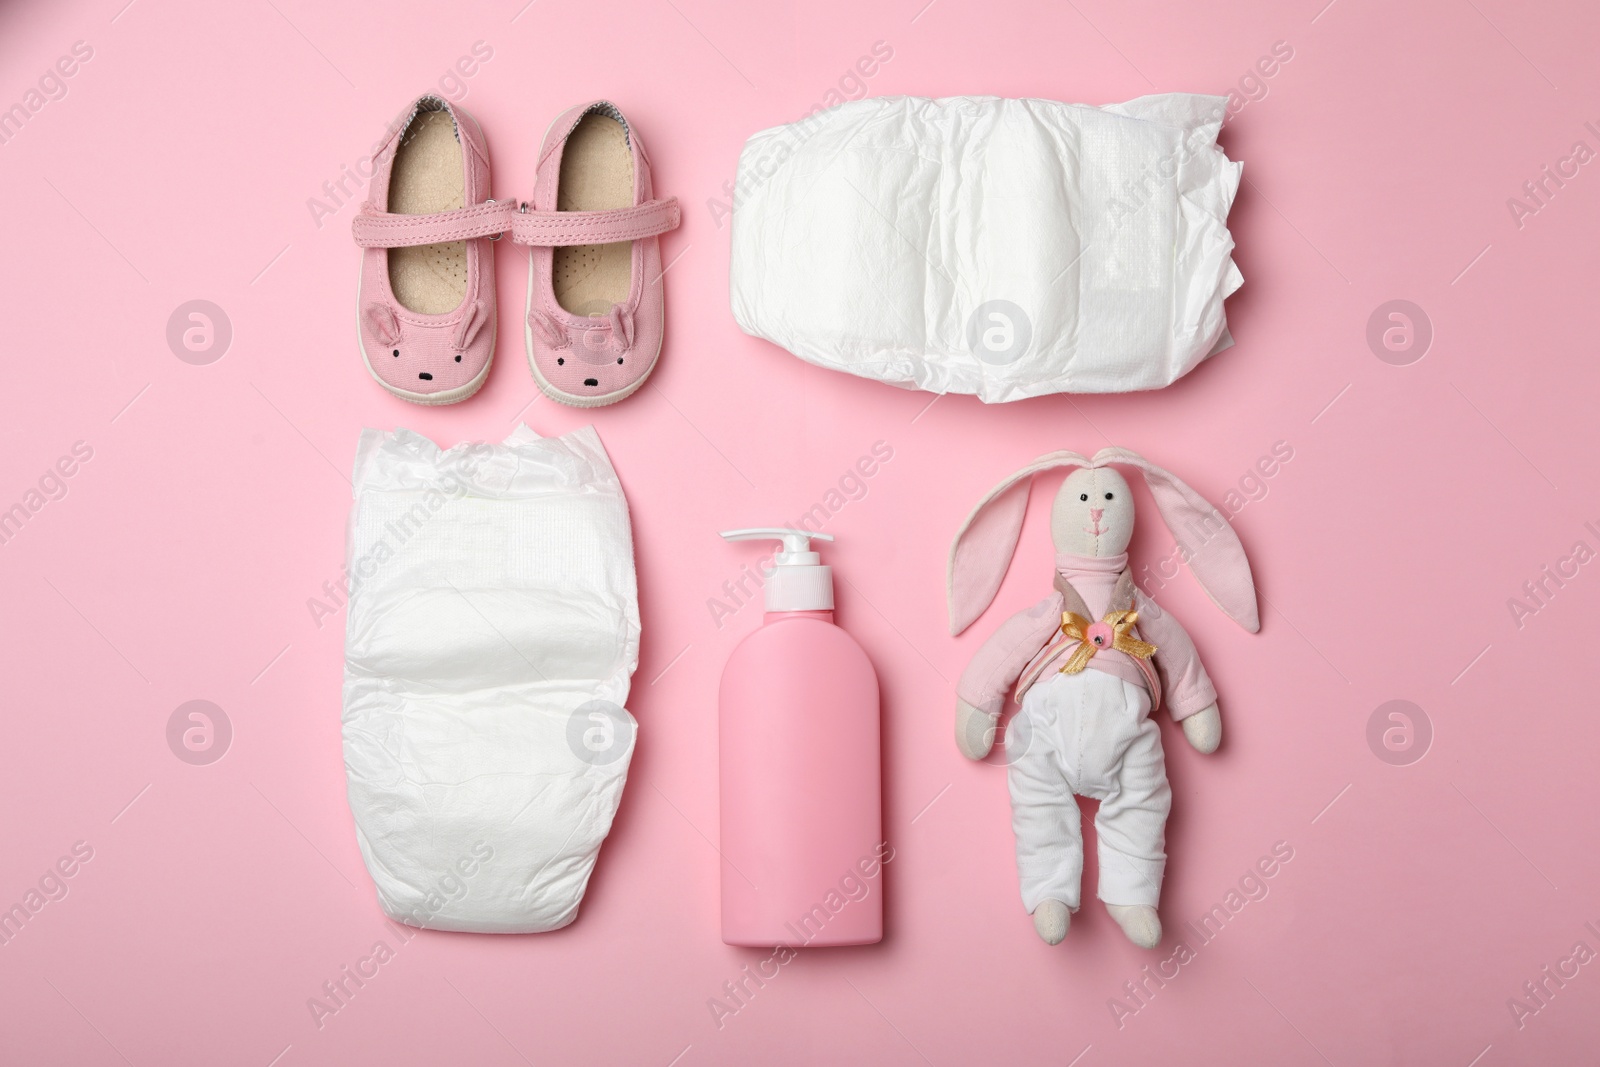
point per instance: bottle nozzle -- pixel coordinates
(796, 549)
(799, 581)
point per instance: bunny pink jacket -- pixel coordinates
(988, 679)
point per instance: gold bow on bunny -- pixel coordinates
(1110, 632)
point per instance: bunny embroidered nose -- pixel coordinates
(1094, 515)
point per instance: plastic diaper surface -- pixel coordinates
(493, 628)
(1005, 248)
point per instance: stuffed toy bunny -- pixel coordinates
(1088, 664)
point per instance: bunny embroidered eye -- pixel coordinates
(1108, 496)
(1083, 496)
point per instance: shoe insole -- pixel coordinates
(596, 175)
(428, 177)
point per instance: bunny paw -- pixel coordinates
(975, 730)
(1204, 729)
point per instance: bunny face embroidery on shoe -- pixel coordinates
(591, 355)
(426, 358)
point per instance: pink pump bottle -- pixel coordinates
(802, 845)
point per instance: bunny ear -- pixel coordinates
(1206, 541)
(469, 327)
(383, 324)
(982, 550)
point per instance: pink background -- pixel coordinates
(1419, 499)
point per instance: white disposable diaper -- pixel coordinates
(493, 627)
(1007, 248)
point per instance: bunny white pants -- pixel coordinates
(1088, 734)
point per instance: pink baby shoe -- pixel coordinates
(426, 306)
(595, 307)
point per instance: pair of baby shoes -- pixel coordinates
(427, 308)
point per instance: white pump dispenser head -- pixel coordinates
(799, 581)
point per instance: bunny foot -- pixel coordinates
(1139, 921)
(1050, 921)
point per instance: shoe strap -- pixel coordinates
(557, 228)
(381, 229)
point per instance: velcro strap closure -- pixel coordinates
(558, 228)
(380, 229)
